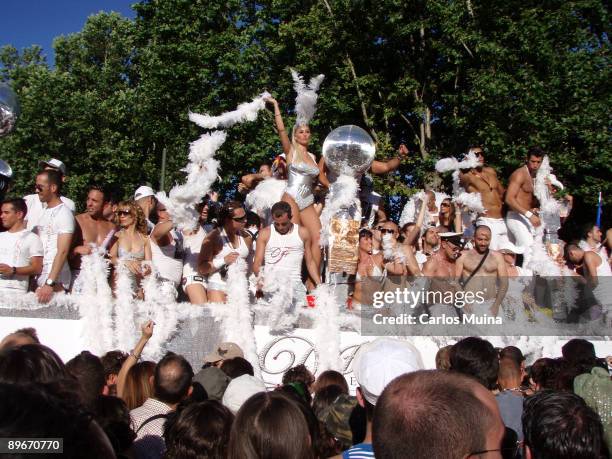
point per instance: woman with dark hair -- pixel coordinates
(331, 378)
(132, 246)
(270, 425)
(449, 216)
(369, 266)
(198, 430)
(222, 247)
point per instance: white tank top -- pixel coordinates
(242, 249)
(284, 253)
(192, 243)
(164, 260)
(604, 268)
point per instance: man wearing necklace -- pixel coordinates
(55, 228)
(522, 218)
(483, 180)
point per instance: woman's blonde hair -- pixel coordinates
(294, 145)
(138, 387)
(137, 213)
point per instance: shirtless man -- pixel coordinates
(91, 228)
(250, 181)
(483, 180)
(484, 278)
(440, 271)
(522, 218)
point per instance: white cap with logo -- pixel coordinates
(143, 192)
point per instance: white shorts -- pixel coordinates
(197, 279)
(522, 233)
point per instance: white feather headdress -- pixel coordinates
(306, 100)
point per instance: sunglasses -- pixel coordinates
(479, 153)
(445, 204)
(239, 219)
(124, 213)
(387, 231)
(39, 187)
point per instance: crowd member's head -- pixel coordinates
(430, 239)
(377, 363)
(477, 358)
(232, 217)
(578, 350)
(198, 430)
(172, 379)
(253, 223)
(544, 372)
(138, 384)
(237, 367)
(269, 426)
(223, 351)
(300, 138)
(330, 378)
(574, 254)
(31, 363)
(129, 214)
(112, 362)
(48, 185)
(482, 238)
(213, 380)
(560, 425)
(36, 411)
(89, 372)
(509, 375)
(431, 200)
(535, 155)
(592, 234)
(443, 358)
(113, 416)
(281, 217)
(13, 213)
(240, 389)
(436, 414)
(19, 338)
(112, 197)
(97, 200)
(405, 230)
(203, 208)
(299, 374)
(478, 152)
(144, 196)
(365, 242)
(265, 169)
(514, 353)
(333, 409)
(451, 245)
(389, 230)
(53, 164)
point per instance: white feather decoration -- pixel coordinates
(124, 308)
(540, 189)
(202, 172)
(267, 193)
(244, 112)
(473, 201)
(326, 326)
(306, 100)
(342, 195)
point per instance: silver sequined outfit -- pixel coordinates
(301, 181)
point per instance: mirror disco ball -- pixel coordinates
(9, 109)
(349, 150)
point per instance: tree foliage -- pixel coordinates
(438, 75)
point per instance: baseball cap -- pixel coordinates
(143, 192)
(379, 362)
(240, 389)
(224, 351)
(55, 164)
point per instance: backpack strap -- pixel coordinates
(152, 418)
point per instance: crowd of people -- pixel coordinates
(480, 401)
(43, 245)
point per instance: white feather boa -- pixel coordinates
(409, 212)
(326, 325)
(201, 173)
(469, 161)
(244, 112)
(306, 100)
(342, 195)
(267, 193)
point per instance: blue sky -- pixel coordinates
(38, 22)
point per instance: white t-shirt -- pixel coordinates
(35, 208)
(53, 222)
(16, 249)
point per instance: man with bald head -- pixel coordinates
(171, 384)
(483, 271)
(434, 414)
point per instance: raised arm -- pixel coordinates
(384, 167)
(280, 126)
(161, 232)
(146, 333)
(415, 231)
